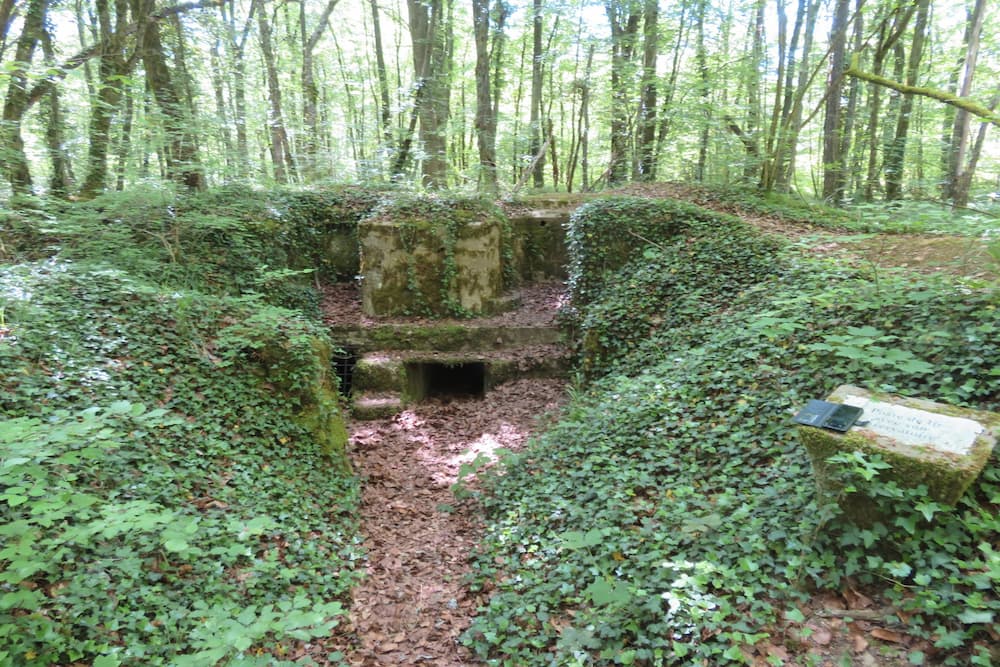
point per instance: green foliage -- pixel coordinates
(921, 217)
(604, 234)
(163, 503)
(665, 286)
(233, 240)
(670, 517)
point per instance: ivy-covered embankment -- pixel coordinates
(670, 517)
(174, 484)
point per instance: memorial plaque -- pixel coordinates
(939, 446)
(952, 435)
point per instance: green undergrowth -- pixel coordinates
(901, 217)
(670, 516)
(173, 487)
(228, 240)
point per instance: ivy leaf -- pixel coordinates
(970, 616)
(603, 592)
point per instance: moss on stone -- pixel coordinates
(433, 257)
(378, 374)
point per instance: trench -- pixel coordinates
(414, 602)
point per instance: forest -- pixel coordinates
(364, 333)
(848, 102)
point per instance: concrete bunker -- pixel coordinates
(437, 379)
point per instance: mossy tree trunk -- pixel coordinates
(16, 103)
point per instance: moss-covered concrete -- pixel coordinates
(378, 372)
(946, 474)
(445, 337)
(539, 243)
(424, 266)
(303, 372)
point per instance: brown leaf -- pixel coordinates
(856, 600)
(889, 635)
(821, 636)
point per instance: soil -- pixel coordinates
(413, 603)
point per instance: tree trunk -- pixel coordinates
(787, 145)
(385, 111)
(834, 172)
(112, 67)
(624, 21)
(125, 143)
(16, 103)
(538, 173)
(221, 114)
(278, 137)
(486, 122)
(646, 132)
(959, 176)
(236, 49)
(61, 179)
(430, 31)
(310, 93)
(182, 163)
(670, 89)
(701, 60)
(895, 156)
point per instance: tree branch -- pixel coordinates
(963, 103)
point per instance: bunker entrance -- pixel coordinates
(435, 379)
(343, 361)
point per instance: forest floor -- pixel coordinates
(928, 253)
(414, 603)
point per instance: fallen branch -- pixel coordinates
(963, 103)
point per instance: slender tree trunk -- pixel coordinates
(538, 173)
(486, 122)
(182, 162)
(895, 156)
(113, 66)
(787, 148)
(310, 93)
(701, 60)
(61, 179)
(647, 104)
(624, 21)
(221, 115)
(125, 143)
(666, 107)
(385, 111)
(430, 32)
(959, 172)
(847, 134)
(834, 172)
(580, 143)
(278, 137)
(16, 103)
(236, 50)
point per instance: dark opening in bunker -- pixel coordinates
(427, 379)
(343, 360)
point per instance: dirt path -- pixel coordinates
(413, 603)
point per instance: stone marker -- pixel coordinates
(940, 446)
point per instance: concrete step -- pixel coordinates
(448, 337)
(370, 406)
(417, 374)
